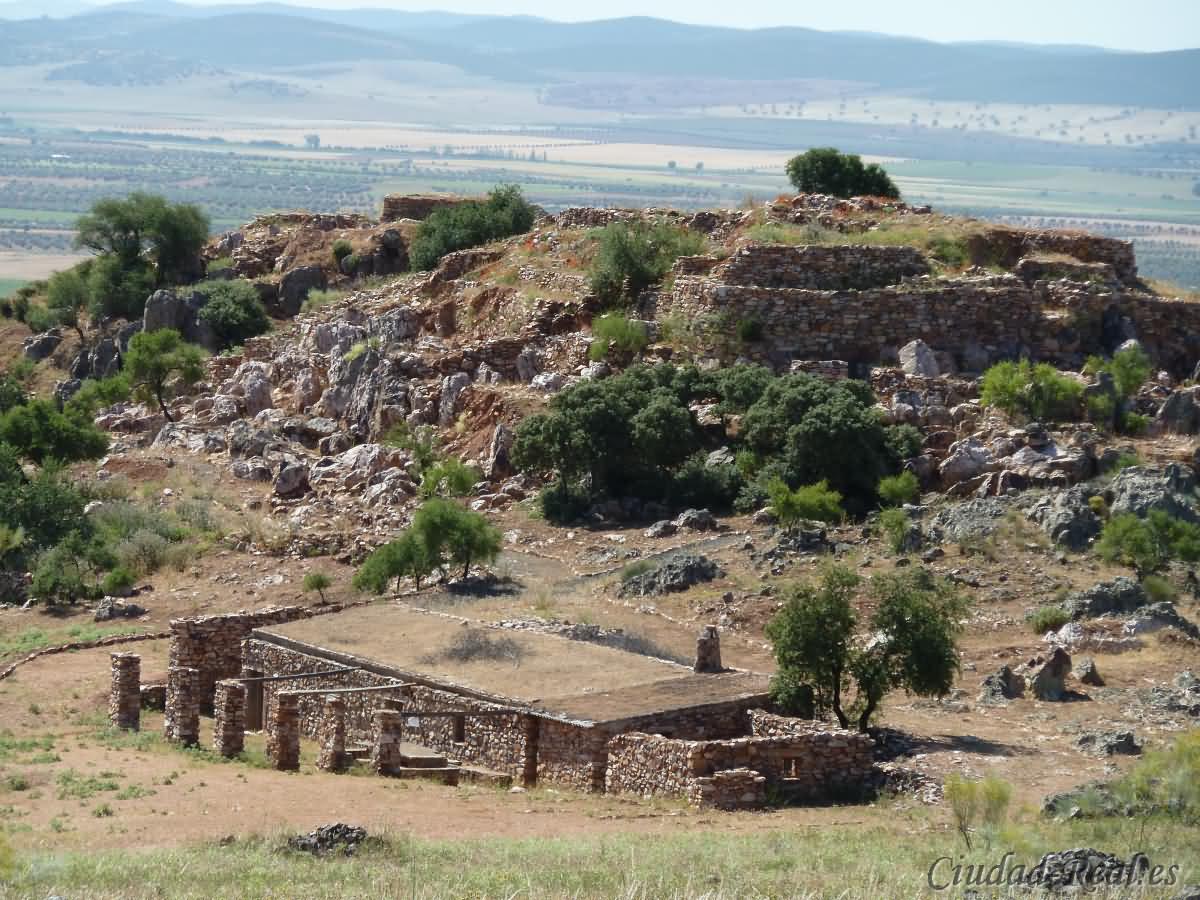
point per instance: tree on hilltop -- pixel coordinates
(825, 170)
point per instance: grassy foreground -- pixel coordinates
(843, 862)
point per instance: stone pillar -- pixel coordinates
(229, 718)
(388, 732)
(182, 720)
(332, 735)
(283, 732)
(125, 694)
(708, 651)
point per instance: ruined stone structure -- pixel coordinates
(862, 303)
(181, 719)
(331, 735)
(625, 723)
(283, 733)
(415, 206)
(212, 645)
(229, 718)
(125, 695)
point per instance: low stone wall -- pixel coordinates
(812, 764)
(731, 789)
(572, 755)
(212, 645)
(709, 722)
(820, 267)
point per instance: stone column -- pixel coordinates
(182, 720)
(125, 694)
(283, 732)
(229, 718)
(332, 735)
(388, 728)
(708, 650)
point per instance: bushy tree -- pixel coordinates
(825, 170)
(636, 255)
(39, 432)
(119, 287)
(811, 502)
(146, 228)
(68, 298)
(504, 213)
(456, 535)
(318, 582)
(405, 557)
(44, 507)
(233, 311)
(158, 362)
(912, 643)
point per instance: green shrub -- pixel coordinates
(812, 502)
(317, 299)
(1099, 506)
(634, 569)
(977, 805)
(233, 311)
(951, 252)
(143, 552)
(615, 330)
(118, 581)
(1148, 544)
(896, 490)
(449, 478)
(341, 249)
(503, 214)
(1134, 423)
(824, 170)
(895, 525)
(422, 442)
(1129, 368)
(698, 485)
(1035, 391)
(1047, 618)
(220, 264)
(563, 503)
(1102, 409)
(904, 441)
(635, 256)
(1159, 590)
(38, 432)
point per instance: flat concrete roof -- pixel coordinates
(562, 678)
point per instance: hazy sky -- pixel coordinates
(1126, 24)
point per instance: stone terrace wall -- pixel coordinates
(861, 326)
(1005, 246)
(212, 645)
(820, 267)
(405, 206)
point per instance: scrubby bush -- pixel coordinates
(896, 490)
(810, 502)
(341, 249)
(1148, 544)
(449, 478)
(634, 256)
(749, 331)
(895, 525)
(977, 805)
(1159, 590)
(503, 214)
(233, 311)
(37, 431)
(1038, 391)
(614, 330)
(825, 170)
(118, 582)
(143, 552)
(1047, 618)
(1130, 369)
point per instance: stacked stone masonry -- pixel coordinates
(212, 645)
(814, 765)
(283, 733)
(125, 694)
(729, 789)
(331, 735)
(181, 721)
(387, 757)
(804, 314)
(229, 719)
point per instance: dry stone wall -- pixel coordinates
(212, 645)
(331, 735)
(229, 718)
(181, 720)
(811, 763)
(731, 789)
(820, 267)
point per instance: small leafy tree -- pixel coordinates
(319, 582)
(825, 170)
(405, 557)
(68, 298)
(912, 645)
(159, 361)
(1130, 369)
(146, 228)
(456, 535)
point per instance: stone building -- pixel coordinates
(424, 693)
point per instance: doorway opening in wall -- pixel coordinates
(254, 702)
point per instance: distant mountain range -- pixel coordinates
(272, 35)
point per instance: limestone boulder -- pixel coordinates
(918, 358)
